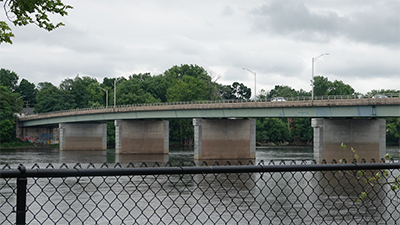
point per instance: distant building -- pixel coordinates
(27, 112)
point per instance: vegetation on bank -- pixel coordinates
(179, 83)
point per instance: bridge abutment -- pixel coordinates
(366, 136)
(43, 135)
(141, 137)
(83, 136)
(227, 139)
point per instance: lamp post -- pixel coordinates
(312, 80)
(106, 95)
(115, 90)
(255, 89)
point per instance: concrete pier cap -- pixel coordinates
(224, 139)
(366, 136)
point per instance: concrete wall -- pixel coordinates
(367, 137)
(83, 136)
(226, 139)
(141, 137)
(44, 135)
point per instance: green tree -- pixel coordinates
(155, 85)
(24, 12)
(393, 131)
(321, 86)
(8, 79)
(240, 91)
(187, 89)
(282, 91)
(28, 92)
(387, 92)
(50, 98)
(108, 82)
(340, 88)
(190, 74)
(10, 103)
(131, 92)
(44, 85)
(226, 91)
(78, 91)
(273, 130)
(96, 96)
(235, 91)
(301, 130)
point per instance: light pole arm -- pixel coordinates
(315, 59)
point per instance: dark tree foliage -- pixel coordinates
(52, 99)
(28, 92)
(8, 79)
(157, 86)
(235, 91)
(282, 91)
(10, 103)
(24, 12)
(321, 86)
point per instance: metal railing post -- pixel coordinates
(21, 196)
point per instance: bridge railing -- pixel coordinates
(288, 193)
(227, 101)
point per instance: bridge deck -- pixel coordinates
(365, 107)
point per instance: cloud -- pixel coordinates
(379, 24)
(276, 39)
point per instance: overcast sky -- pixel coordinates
(275, 39)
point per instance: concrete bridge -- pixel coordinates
(219, 134)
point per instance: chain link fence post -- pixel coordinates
(21, 195)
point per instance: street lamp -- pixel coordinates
(255, 90)
(312, 81)
(106, 95)
(115, 90)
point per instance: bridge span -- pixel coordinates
(144, 128)
(328, 108)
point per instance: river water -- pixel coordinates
(43, 157)
(284, 204)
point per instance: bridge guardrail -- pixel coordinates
(223, 101)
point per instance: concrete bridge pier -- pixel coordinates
(141, 137)
(83, 136)
(366, 136)
(224, 139)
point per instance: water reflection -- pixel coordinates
(175, 156)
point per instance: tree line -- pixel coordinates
(178, 83)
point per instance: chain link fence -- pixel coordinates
(270, 193)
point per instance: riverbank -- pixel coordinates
(25, 145)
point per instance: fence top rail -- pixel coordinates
(89, 172)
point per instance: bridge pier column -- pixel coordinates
(83, 136)
(141, 137)
(224, 139)
(366, 136)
